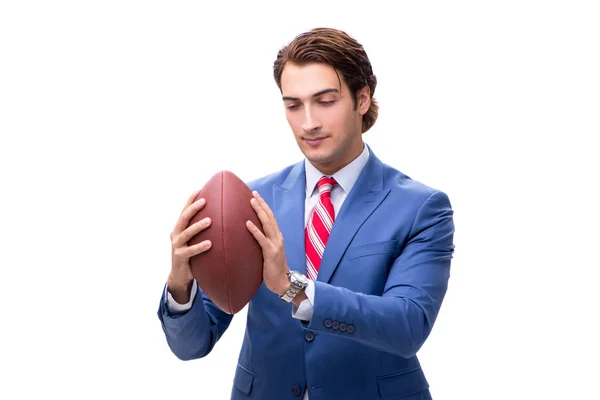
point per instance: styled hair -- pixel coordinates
(343, 53)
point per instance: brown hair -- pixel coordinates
(343, 53)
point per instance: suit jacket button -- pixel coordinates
(350, 328)
(327, 323)
(335, 325)
(296, 390)
(343, 327)
(309, 336)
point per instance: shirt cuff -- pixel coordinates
(176, 308)
(304, 311)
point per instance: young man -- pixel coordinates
(366, 257)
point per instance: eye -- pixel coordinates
(292, 107)
(326, 103)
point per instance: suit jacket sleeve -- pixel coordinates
(194, 333)
(400, 320)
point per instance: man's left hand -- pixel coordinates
(275, 266)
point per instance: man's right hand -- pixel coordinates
(180, 279)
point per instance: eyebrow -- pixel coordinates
(320, 93)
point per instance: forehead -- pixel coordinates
(305, 80)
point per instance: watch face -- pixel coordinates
(298, 277)
(297, 282)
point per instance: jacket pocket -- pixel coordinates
(403, 384)
(243, 380)
(367, 249)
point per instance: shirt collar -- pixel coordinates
(345, 177)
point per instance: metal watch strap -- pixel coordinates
(293, 290)
(290, 294)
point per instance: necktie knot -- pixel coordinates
(325, 184)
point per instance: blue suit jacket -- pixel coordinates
(381, 283)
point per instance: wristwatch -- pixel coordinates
(298, 282)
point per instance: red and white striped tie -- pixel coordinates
(318, 227)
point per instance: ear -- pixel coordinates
(363, 100)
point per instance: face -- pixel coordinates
(321, 113)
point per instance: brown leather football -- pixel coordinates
(230, 272)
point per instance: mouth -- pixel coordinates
(315, 141)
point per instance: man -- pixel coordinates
(366, 257)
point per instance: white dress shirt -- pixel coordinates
(345, 178)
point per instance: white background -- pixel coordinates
(113, 112)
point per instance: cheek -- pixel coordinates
(291, 119)
(294, 123)
(335, 121)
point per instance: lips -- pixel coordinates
(315, 141)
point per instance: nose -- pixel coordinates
(310, 122)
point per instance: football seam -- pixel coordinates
(223, 240)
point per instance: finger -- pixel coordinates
(263, 204)
(196, 249)
(190, 200)
(189, 213)
(258, 235)
(266, 222)
(186, 252)
(191, 231)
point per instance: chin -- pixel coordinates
(317, 155)
(323, 163)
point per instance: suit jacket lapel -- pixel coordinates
(288, 207)
(364, 198)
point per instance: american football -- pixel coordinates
(231, 271)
